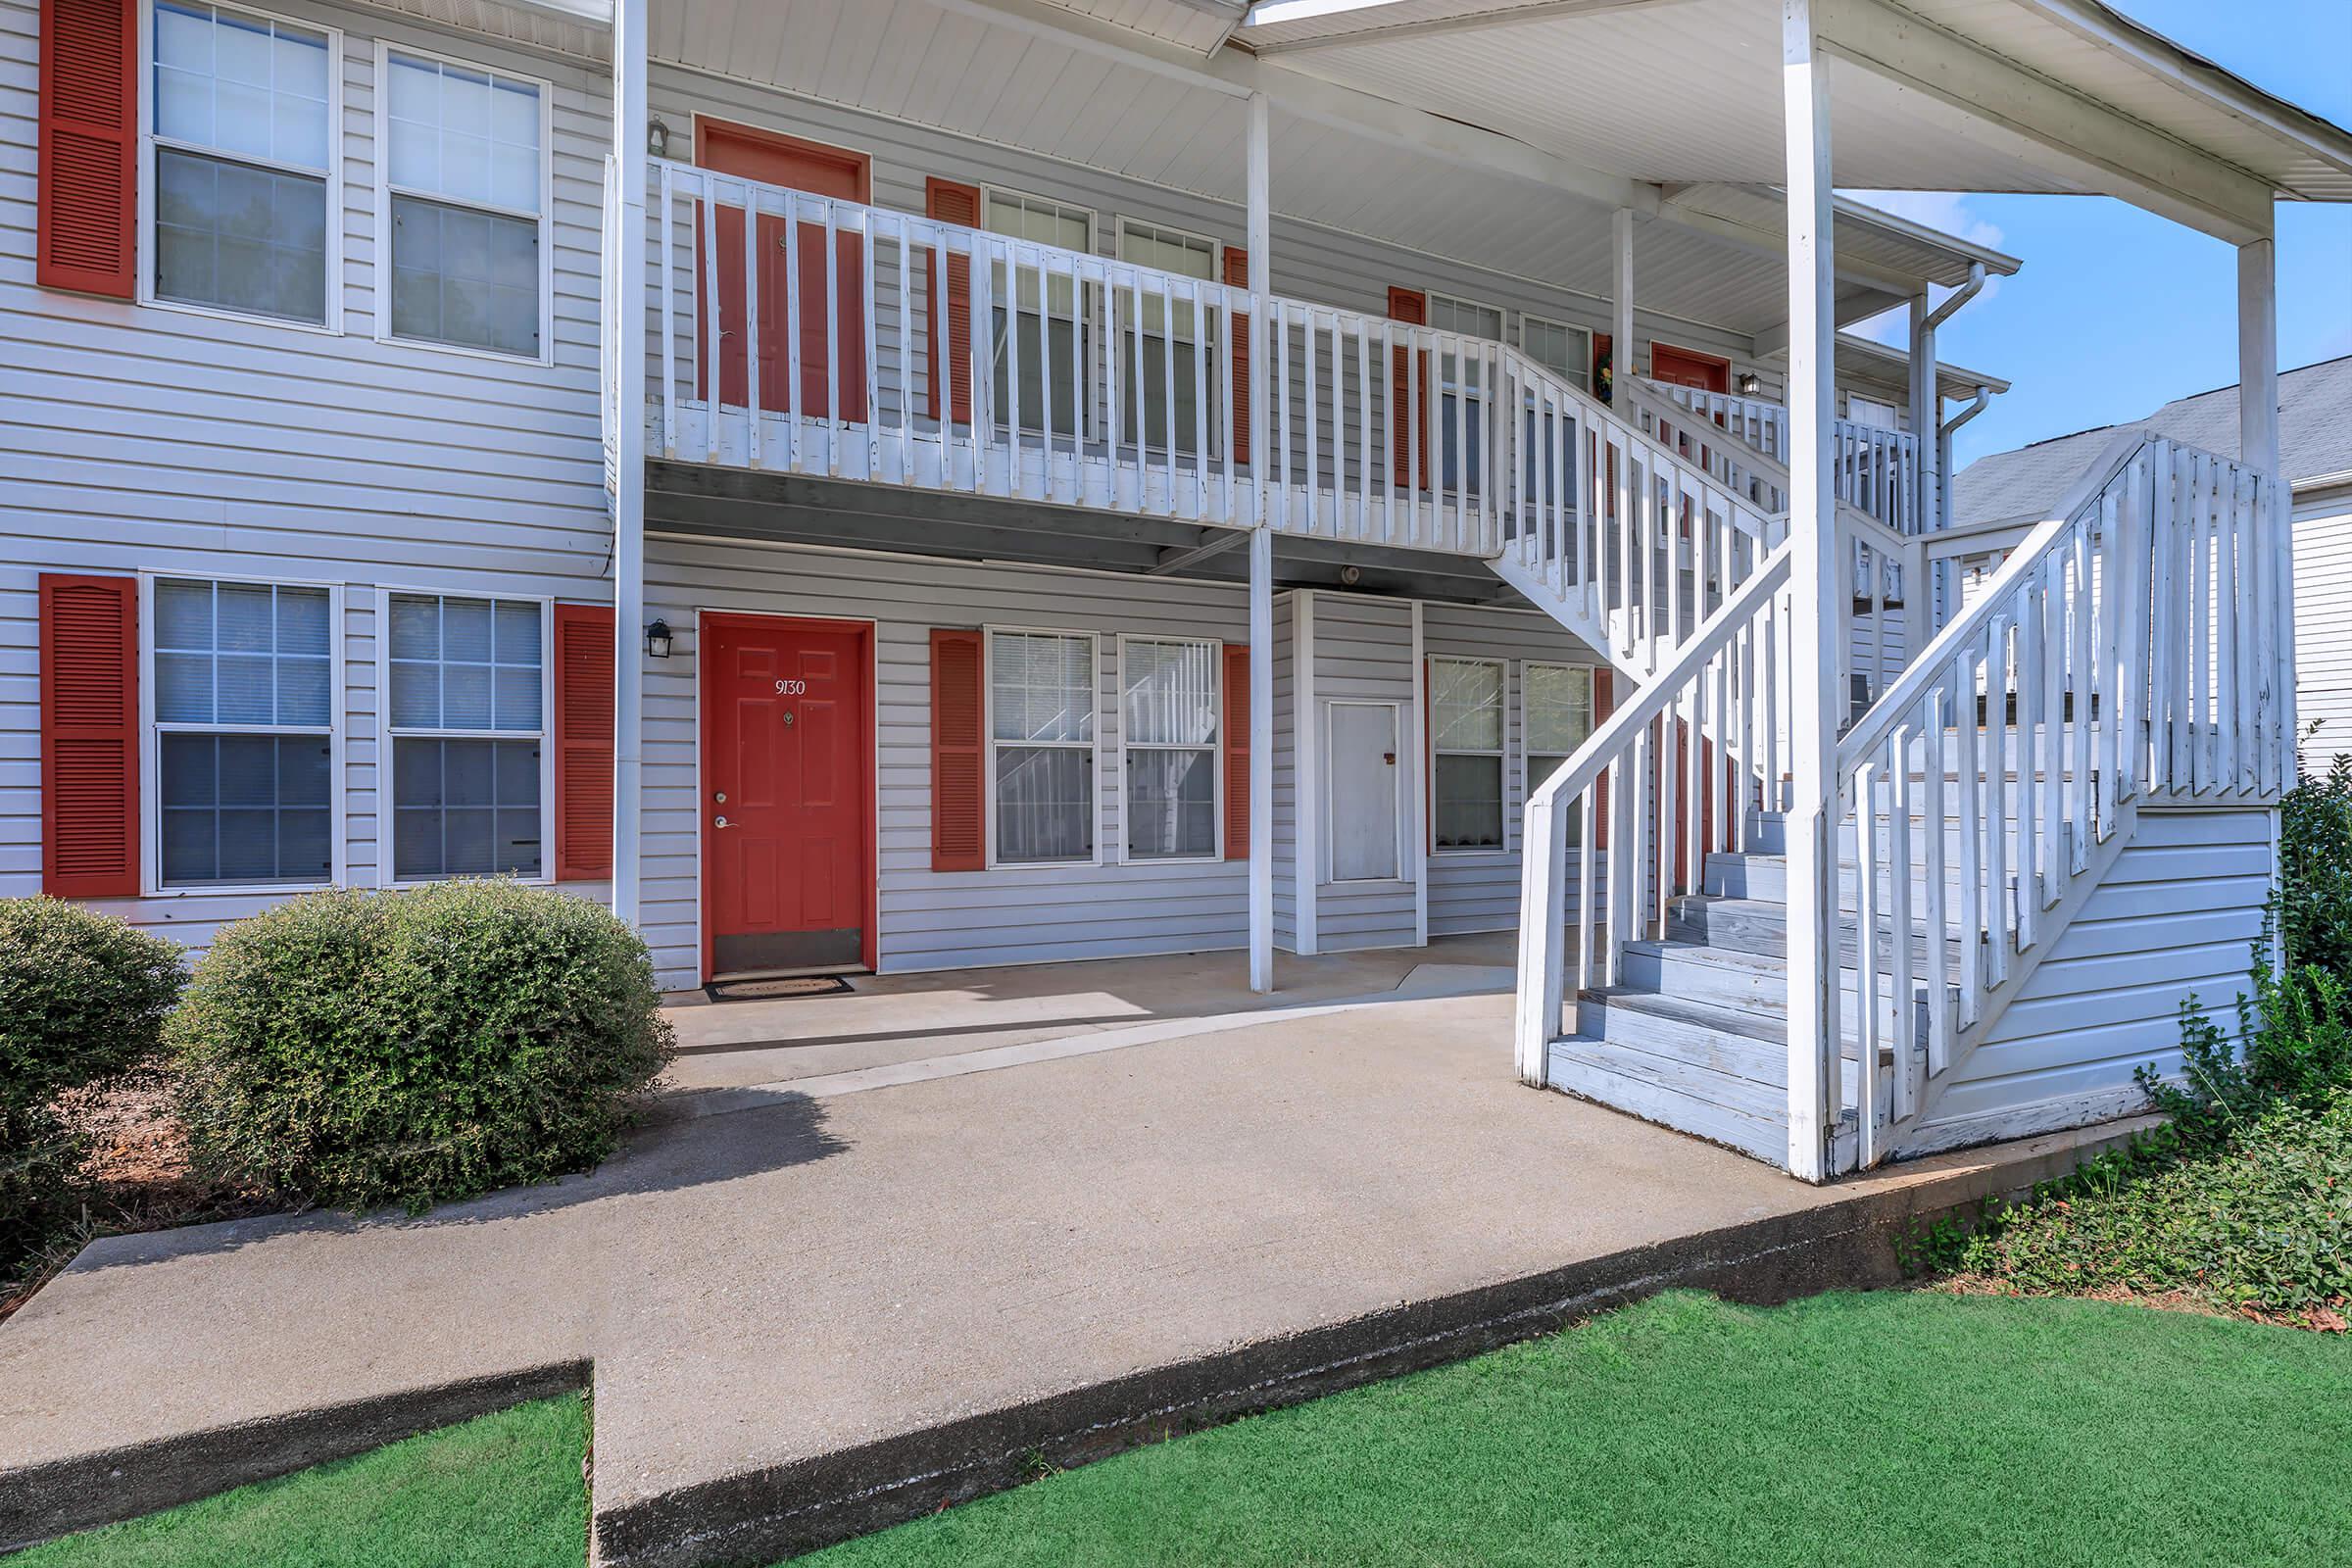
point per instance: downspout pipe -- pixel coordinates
(1944, 452)
(1957, 297)
(1937, 481)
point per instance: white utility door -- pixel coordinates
(1362, 767)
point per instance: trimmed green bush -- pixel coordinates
(412, 1048)
(82, 1000)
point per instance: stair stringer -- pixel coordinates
(2049, 925)
(1566, 606)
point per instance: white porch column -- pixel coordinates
(1261, 572)
(2257, 448)
(628, 486)
(1816, 586)
(1621, 330)
(1927, 413)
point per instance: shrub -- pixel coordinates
(360, 1049)
(82, 1000)
(2312, 904)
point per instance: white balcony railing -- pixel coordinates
(899, 350)
(1873, 469)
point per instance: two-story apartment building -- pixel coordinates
(1076, 480)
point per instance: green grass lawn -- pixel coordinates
(503, 1491)
(1879, 1430)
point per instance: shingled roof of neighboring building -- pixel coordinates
(2315, 442)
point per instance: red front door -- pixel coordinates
(821, 170)
(1683, 367)
(788, 827)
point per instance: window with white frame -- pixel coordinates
(464, 203)
(1049, 311)
(1167, 337)
(1555, 706)
(1871, 412)
(1550, 461)
(1563, 349)
(241, 149)
(1466, 738)
(1041, 703)
(1459, 434)
(1170, 701)
(243, 676)
(466, 712)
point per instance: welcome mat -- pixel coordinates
(805, 985)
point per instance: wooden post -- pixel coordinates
(1621, 347)
(1816, 584)
(1261, 568)
(630, 120)
(2273, 526)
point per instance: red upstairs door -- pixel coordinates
(787, 794)
(1689, 368)
(821, 170)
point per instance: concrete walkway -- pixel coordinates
(822, 1312)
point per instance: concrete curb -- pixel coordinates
(56, 1499)
(765, 1515)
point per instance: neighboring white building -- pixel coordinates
(2315, 457)
(900, 486)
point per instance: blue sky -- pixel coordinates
(2117, 311)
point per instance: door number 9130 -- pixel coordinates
(792, 688)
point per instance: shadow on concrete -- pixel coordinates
(663, 1157)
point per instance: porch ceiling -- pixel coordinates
(1583, 78)
(840, 514)
(1044, 79)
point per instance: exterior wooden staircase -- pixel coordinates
(2118, 655)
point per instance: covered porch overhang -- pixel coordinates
(1505, 130)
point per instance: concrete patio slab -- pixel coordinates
(813, 1316)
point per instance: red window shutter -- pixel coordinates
(584, 676)
(89, 130)
(947, 202)
(1237, 751)
(956, 746)
(1237, 275)
(89, 736)
(1408, 305)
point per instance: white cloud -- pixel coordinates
(1946, 212)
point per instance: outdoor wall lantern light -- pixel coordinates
(657, 138)
(1750, 384)
(657, 640)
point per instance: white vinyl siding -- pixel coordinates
(463, 204)
(242, 112)
(2177, 917)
